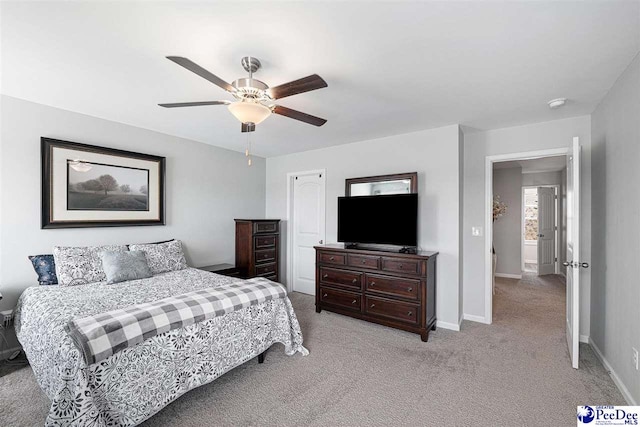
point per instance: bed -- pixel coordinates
(134, 383)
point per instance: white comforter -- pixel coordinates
(137, 382)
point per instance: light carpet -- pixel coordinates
(513, 372)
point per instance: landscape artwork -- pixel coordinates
(94, 186)
(90, 186)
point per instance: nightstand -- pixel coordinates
(223, 269)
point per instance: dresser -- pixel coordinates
(258, 248)
(392, 289)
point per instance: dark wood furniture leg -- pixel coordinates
(424, 335)
(261, 357)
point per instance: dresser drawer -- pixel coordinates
(333, 258)
(397, 265)
(262, 242)
(342, 278)
(397, 310)
(265, 227)
(344, 299)
(272, 276)
(265, 269)
(364, 261)
(393, 286)
(265, 255)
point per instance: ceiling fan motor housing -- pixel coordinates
(250, 89)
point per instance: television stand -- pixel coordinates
(390, 288)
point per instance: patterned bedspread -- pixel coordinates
(135, 383)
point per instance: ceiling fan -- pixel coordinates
(253, 98)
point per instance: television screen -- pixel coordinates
(389, 219)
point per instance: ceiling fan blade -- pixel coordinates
(295, 87)
(298, 115)
(194, 104)
(195, 68)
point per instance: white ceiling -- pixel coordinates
(391, 67)
(544, 164)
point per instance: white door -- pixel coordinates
(546, 230)
(308, 221)
(573, 251)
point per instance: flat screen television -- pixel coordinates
(389, 219)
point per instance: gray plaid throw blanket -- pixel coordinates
(102, 335)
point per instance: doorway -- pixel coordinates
(542, 219)
(571, 232)
(305, 227)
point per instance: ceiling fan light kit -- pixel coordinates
(249, 112)
(253, 98)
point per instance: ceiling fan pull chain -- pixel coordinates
(248, 151)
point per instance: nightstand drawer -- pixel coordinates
(265, 255)
(265, 227)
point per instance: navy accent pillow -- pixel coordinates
(45, 268)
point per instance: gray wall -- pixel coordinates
(507, 230)
(615, 312)
(480, 144)
(434, 154)
(207, 187)
(541, 178)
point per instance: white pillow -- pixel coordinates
(162, 257)
(78, 265)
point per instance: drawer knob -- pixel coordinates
(400, 266)
(410, 289)
(331, 258)
(354, 301)
(325, 276)
(364, 261)
(410, 313)
(373, 305)
(324, 296)
(372, 284)
(355, 280)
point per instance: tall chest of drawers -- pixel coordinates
(392, 289)
(258, 248)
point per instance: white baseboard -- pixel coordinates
(584, 338)
(474, 318)
(448, 325)
(530, 261)
(509, 276)
(614, 376)
(6, 353)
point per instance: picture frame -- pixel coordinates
(90, 186)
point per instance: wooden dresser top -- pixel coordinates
(340, 247)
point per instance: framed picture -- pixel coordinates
(88, 186)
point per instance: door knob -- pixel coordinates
(566, 264)
(584, 264)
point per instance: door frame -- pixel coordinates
(289, 256)
(488, 215)
(557, 224)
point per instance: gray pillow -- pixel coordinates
(123, 266)
(162, 257)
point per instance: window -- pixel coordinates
(531, 214)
